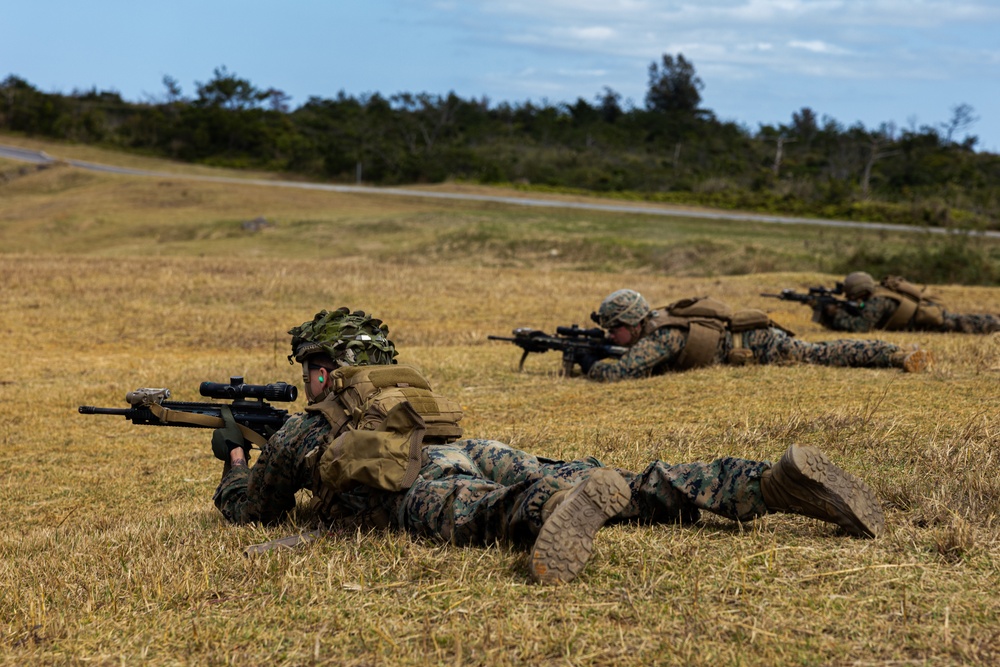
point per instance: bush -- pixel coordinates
(953, 257)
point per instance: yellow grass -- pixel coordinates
(111, 551)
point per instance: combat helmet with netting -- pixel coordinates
(348, 338)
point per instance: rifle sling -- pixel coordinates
(168, 416)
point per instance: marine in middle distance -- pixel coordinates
(701, 331)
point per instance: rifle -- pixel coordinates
(818, 297)
(255, 418)
(571, 341)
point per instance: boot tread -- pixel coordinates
(566, 540)
(842, 497)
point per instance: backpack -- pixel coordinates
(903, 286)
(381, 417)
(368, 393)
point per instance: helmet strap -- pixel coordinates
(325, 380)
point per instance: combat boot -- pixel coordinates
(914, 361)
(553, 503)
(806, 482)
(566, 540)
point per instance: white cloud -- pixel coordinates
(591, 34)
(795, 51)
(816, 46)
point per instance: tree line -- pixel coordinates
(669, 149)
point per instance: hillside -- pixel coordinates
(112, 551)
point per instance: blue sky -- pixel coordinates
(908, 62)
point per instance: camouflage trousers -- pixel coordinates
(974, 324)
(482, 491)
(772, 346)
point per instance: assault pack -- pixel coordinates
(706, 320)
(381, 417)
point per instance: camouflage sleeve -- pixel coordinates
(875, 311)
(266, 492)
(651, 355)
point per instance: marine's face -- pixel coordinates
(623, 334)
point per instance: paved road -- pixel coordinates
(37, 157)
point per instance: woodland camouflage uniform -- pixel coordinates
(659, 348)
(879, 309)
(656, 353)
(476, 492)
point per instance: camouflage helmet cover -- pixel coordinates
(858, 284)
(624, 306)
(349, 338)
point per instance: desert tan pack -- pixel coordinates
(367, 394)
(381, 418)
(706, 320)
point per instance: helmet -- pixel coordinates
(624, 306)
(350, 339)
(858, 285)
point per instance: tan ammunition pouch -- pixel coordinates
(381, 416)
(903, 286)
(929, 316)
(386, 458)
(913, 307)
(706, 320)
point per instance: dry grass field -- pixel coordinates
(111, 551)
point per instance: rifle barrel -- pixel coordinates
(93, 410)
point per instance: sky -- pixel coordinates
(905, 62)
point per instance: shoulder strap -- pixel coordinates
(333, 411)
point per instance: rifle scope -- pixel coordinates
(237, 390)
(576, 332)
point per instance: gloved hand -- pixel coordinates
(227, 438)
(586, 360)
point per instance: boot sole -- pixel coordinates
(566, 540)
(859, 510)
(917, 361)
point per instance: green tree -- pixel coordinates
(963, 116)
(609, 103)
(229, 91)
(673, 85)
